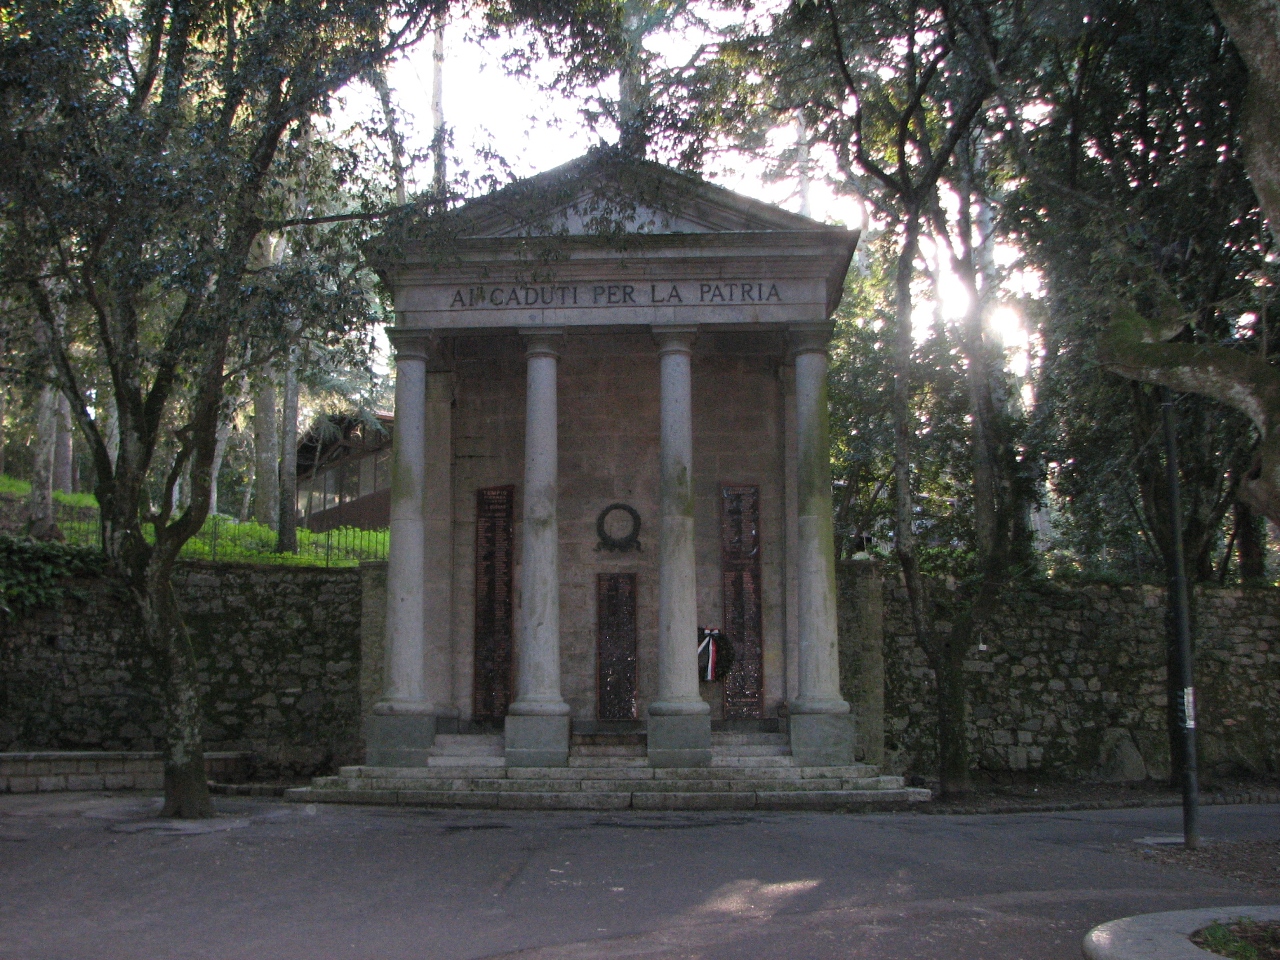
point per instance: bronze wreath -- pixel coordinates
(631, 541)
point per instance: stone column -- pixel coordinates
(679, 727)
(403, 725)
(821, 726)
(437, 589)
(537, 725)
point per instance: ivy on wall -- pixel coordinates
(34, 573)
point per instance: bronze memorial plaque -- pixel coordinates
(740, 577)
(616, 646)
(495, 510)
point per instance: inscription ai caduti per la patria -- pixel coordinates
(615, 294)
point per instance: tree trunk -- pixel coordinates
(440, 159)
(378, 80)
(40, 519)
(110, 429)
(633, 83)
(1254, 27)
(945, 655)
(63, 448)
(4, 396)
(1251, 542)
(219, 454)
(246, 501)
(186, 788)
(287, 530)
(266, 452)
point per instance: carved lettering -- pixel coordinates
(613, 294)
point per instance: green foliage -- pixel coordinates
(224, 540)
(1138, 173)
(79, 501)
(860, 382)
(33, 573)
(13, 486)
(1240, 939)
(227, 541)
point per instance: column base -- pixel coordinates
(680, 740)
(536, 741)
(822, 739)
(398, 740)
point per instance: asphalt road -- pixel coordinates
(93, 876)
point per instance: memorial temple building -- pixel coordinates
(611, 429)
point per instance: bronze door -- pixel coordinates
(740, 580)
(616, 646)
(491, 689)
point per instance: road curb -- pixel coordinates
(1211, 800)
(1163, 936)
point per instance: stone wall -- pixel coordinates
(279, 661)
(1071, 680)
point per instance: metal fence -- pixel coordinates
(229, 541)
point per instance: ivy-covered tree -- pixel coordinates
(143, 151)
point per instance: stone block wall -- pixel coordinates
(1070, 680)
(1064, 680)
(279, 664)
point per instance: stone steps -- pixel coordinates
(727, 739)
(619, 800)
(852, 772)
(748, 771)
(671, 785)
(467, 745)
(591, 762)
(602, 750)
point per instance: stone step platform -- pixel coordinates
(467, 745)
(619, 799)
(731, 739)
(857, 771)
(588, 785)
(616, 787)
(608, 750)
(749, 770)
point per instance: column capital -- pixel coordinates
(424, 345)
(675, 338)
(810, 337)
(543, 342)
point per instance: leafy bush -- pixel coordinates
(13, 486)
(33, 573)
(79, 501)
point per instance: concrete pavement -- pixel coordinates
(93, 876)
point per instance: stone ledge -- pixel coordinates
(1163, 936)
(51, 771)
(541, 799)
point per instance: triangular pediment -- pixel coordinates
(601, 195)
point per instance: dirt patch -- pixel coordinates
(1255, 862)
(1044, 796)
(1243, 940)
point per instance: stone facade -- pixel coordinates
(611, 335)
(291, 659)
(279, 659)
(608, 412)
(1071, 680)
